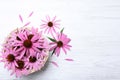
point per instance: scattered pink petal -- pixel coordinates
(21, 18)
(67, 59)
(54, 63)
(26, 24)
(30, 14)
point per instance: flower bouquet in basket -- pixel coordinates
(27, 49)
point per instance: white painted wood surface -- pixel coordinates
(93, 25)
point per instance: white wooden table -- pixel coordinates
(93, 26)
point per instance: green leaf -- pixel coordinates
(53, 40)
(53, 51)
(62, 30)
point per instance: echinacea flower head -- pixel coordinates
(27, 41)
(61, 41)
(50, 25)
(20, 68)
(36, 62)
(9, 58)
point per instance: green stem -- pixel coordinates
(54, 51)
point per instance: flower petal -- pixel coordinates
(48, 18)
(64, 50)
(21, 18)
(53, 19)
(68, 59)
(30, 14)
(57, 51)
(54, 63)
(26, 24)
